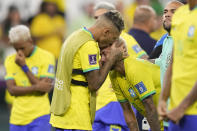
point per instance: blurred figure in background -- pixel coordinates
(48, 29)
(130, 10)
(143, 24)
(28, 74)
(13, 19)
(85, 19)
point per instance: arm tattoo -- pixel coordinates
(133, 126)
(151, 114)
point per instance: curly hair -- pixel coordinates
(116, 18)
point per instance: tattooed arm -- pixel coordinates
(129, 116)
(151, 114)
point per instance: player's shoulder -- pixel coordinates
(136, 65)
(89, 45)
(10, 59)
(127, 36)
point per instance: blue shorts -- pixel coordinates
(39, 124)
(110, 118)
(187, 123)
(58, 129)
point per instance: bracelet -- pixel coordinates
(25, 68)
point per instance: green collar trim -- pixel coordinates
(86, 30)
(34, 50)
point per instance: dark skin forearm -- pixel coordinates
(178, 112)
(129, 116)
(97, 77)
(190, 98)
(151, 114)
(17, 90)
(32, 78)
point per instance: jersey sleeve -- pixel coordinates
(9, 69)
(142, 82)
(138, 50)
(119, 94)
(48, 68)
(89, 56)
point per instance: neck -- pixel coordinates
(142, 27)
(94, 33)
(31, 50)
(119, 67)
(193, 5)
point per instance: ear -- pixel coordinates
(106, 32)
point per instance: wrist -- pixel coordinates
(25, 68)
(35, 87)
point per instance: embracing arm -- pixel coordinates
(97, 77)
(129, 116)
(151, 114)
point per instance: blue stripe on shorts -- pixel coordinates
(39, 124)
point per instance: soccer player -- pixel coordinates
(135, 82)
(165, 58)
(29, 75)
(109, 115)
(79, 75)
(178, 85)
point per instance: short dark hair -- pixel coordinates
(116, 18)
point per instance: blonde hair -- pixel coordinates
(19, 32)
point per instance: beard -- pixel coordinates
(167, 28)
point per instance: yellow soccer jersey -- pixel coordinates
(52, 28)
(184, 61)
(138, 83)
(78, 115)
(8, 98)
(178, 15)
(134, 48)
(29, 107)
(106, 94)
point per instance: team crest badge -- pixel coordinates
(136, 48)
(132, 93)
(51, 69)
(141, 87)
(34, 70)
(191, 31)
(92, 59)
